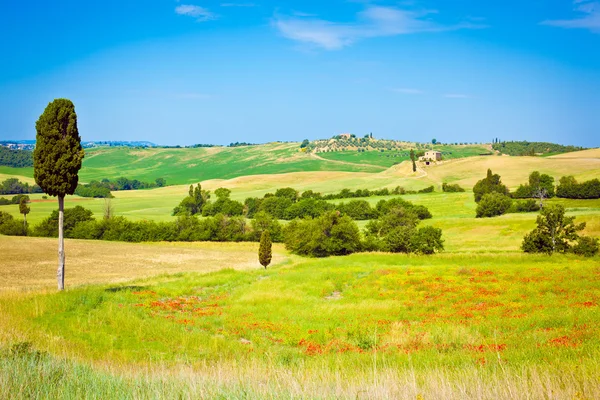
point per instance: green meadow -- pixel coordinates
(205, 320)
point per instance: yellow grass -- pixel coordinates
(589, 153)
(30, 263)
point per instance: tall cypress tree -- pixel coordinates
(412, 158)
(57, 159)
(24, 209)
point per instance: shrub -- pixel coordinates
(427, 240)
(10, 226)
(265, 222)
(428, 189)
(330, 234)
(72, 217)
(520, 206)
(586, 246)
(493, 204)
(357, 210)
(569, 188)
(451, 188)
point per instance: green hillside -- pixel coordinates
(181, 166)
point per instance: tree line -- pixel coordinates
(288, 204)
(493, 198)
(525, 148)
(104, 187)
(15, 186)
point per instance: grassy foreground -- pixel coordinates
(368, 325)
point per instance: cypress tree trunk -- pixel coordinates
(60, 274)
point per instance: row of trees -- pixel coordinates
(332, 233)
(494, 198)
(103, 188)
(524, 148)
(287, 204)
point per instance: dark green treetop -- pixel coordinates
(58, 153)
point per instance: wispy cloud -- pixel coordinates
(456, 96)
(407, 91)
(238, 5)
(588, 17)
(373, 21)
(200, 13)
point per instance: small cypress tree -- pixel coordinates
(264, 250)
(412, 157)
(24, 209)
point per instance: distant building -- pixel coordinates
(431, 155)
(345, 136)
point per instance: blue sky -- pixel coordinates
(184, 72)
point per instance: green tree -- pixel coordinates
(304, 144)
(412, 158)
(490, 184)
(24, 209)
(57, 160)
(554, 232)
(264, 249)
(433, 141)
(493, 204)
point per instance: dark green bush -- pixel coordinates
(451, 188)
(586, 246)
(330, 234)
(493, 204)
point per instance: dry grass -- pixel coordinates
(30, 263)
(590, 153)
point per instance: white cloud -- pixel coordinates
(589, 17)
(407, 91)
(374, 21)
(200, 13)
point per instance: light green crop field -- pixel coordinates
(388, 158)
(179, 166)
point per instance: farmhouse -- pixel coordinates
(431, 155)
(345, 136)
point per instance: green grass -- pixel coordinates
(353, 318)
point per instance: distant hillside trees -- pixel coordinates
(556, 232)
(524, 148)
(14, 186)
(15, 158)
(102, 189)
(569, 188)
(490, 184)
